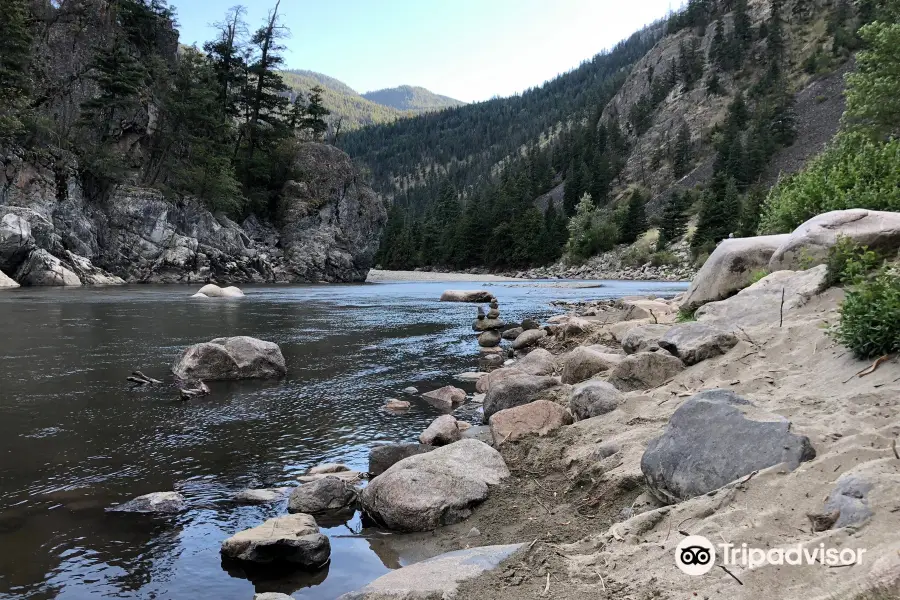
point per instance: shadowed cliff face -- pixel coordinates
(328, 229)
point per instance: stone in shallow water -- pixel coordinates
(157, 502)
(381, 458)
(238, 357)
(446, 397)
(326, 494)
(260, 496)
(442, 431)
(292, 539)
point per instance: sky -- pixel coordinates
(470, 50)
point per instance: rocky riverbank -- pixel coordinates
(52, 232)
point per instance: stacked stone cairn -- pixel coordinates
(489, 327)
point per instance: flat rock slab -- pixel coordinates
(645, 370)
(714, 438)
(515, 391)
(535, 418)
(582, 363)
(441, 487)
(157, 502)
(292, 539)
(478, 296)
(696, 342)
(469, 376)
(231, 358)
(437, 578)
(445, 398)
(381, 458)
(644, 338)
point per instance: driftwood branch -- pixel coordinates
(139, 378)
(199, 389)
(780, 318)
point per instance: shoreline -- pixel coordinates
(386, 276)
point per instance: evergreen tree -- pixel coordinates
(673, 223)
(873, 90)
(15, 55)
(718, 52)
(751, 208)
(681, 162)
(314, 118)
(635, 222)
(719, 211)
(743, 27)
(226, 54)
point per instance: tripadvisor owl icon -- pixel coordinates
(695, 555)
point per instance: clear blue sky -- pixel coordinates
(468, 49)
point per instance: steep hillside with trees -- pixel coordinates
(411, 98)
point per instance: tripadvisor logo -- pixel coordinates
(696, 555)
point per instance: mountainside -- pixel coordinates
(414, 98)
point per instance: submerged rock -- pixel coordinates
(239, 357)
(381, 458)
(328, 468)
(535, 418)
(426, 491)
(395, 405)
(157, 502)
(323, 495)
(290, 539)
(714, 438)
(437, 577)
(260, 496)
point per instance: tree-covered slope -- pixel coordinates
(414, 98)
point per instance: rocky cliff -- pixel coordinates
(52, 233)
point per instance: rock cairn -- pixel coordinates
(489, 325)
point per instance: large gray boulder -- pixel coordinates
(644, 338)
(731, 268)
(290, 539)
(15, 241)
(322, 495)
(537, 362)
(528, 338)
(42, 268)
(645, 370)
(239, 357)
(441, 431)
(477, 296)
(808, 244)
(582, 363)
(382, 458)
(515, 391)
(695, 342)
(594, 398)
(6, 282)
(714, 438)
(157, 502)
(426, 491)
(435, 578)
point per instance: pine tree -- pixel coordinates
(226, 54)
(743, 27)
(314, 119)
(673, 223)
(681, 162)
(635, 222)
(719, 212)
(15, 55)
(718, 53)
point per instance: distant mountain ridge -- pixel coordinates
(357, 110)
(414, 98)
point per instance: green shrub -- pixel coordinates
(659, 259)
(636, 256)
(757, 275)
(848, 262)
(685, 316)
(853, 172)
(870, 316)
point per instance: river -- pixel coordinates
(75, 437)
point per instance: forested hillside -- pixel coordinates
(703, 99)
(412, 98)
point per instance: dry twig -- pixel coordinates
(733, 576)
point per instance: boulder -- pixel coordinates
(594, 398)
(489, 339)
(211, 290)
(730, 268)
(239, 357)
(644, 338)
(529, 338)
(446, 397)
(478, 296)
(512, 333)
(808, 244)
(714, 438)
(441, 431)
(437, 577)
(537, 362)
(485, 383)
(381, 458)
(619, 330)
(514, 391)
(352, 477)
(583, 363)
(488, 324)
(645, 370)
(6, 282)
(326, 494)
(576, 327)
(291, 539)
(695, 342)
(260, 496)
(426, 491)
(16, 241)
(88, 273)
(528, 324)
(157, 502)
(42, 268)
(488, 362)
(761, 302)
(395, 405)
(644, 308)
(850, 498)
(539, 417)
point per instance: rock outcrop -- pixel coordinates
(714, 438)
(290, 539)
(426, 491)
(239, 357)
(328, 228)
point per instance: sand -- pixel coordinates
(379, 276)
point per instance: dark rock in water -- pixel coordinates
(515, 390)
(381, 458)
(326, 494)
(695, 342)
(714, 438)
(157, 502)
(239, 357)
(437, 577)
(290, 539)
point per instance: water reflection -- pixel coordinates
(75, 437)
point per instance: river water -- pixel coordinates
(76, 438)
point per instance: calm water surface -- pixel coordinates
(75, 437)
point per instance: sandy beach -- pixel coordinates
(380, 276)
